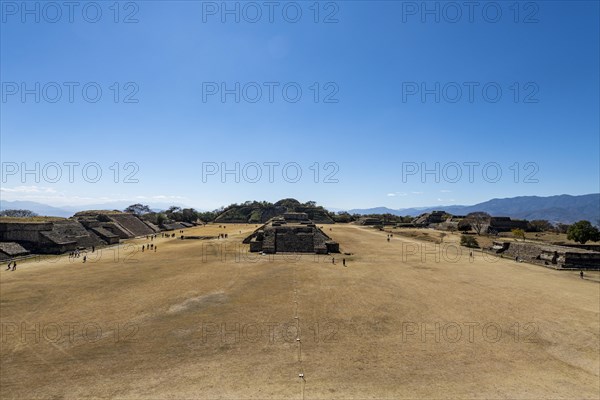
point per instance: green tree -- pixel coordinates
(519, 234)
(583, 231)
(464, 225)
(174, 213)
(342, 217)
(189, 215)
(289, 203)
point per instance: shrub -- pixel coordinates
(469, 241)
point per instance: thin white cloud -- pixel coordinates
(394, 194)
(55, 198)
(445, 191)
(28, 189)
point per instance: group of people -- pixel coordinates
(150, 246)
(14, 266)
(165, 235)
(77, 254)
(389, 236)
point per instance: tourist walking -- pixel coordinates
(9, 264)
(581, 274)
(14, 266)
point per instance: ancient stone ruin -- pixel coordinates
(119, 224)
(558, 257)
(60, 235)
(291, 233)
(369, 221)
(10, 250)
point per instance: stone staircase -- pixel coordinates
(269, 242)
(133, 224)
(298, 240)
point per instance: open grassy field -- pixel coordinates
(203, 319)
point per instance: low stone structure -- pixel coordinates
(369, 221)
(292, 233)
(559, 257)
(505, 224)
(434, 217)
(87, 229)
(10, 250)
(123, 225)
(174, 226)
(48, 237)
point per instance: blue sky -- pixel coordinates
(370, 132)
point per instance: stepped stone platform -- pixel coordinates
(175, 226)
(124, 225)
(291, 233)
(132, 224)
(45, 235)
(10, 250)
(48, 237)
(155, 228)
(106, 235)
(558, 257)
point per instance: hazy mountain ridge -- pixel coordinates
(562, 208)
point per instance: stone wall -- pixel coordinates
(294, 240)
(23, 232)
(591, 247)
(559, 257)
(106, 235)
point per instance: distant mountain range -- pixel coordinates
(563, 208)
(68, 211)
